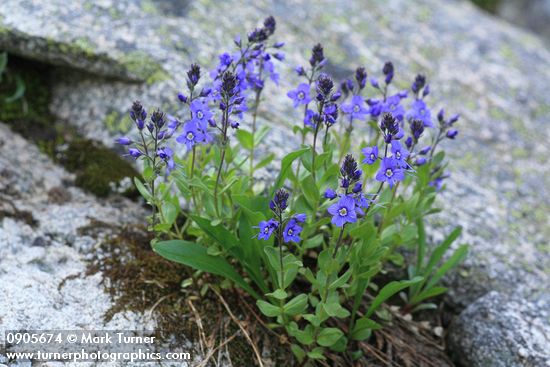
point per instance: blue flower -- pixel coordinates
(123, 141)
(343, 211)
(200, 112)
(300, 95)
(330, 194)
(371, 154)
(310, 118)
(390, 172)
(393, 105)
(191, 135)
(300, 218)
(292, 231)
(134, 152)
(267, 228)
(399, 154)
(419, 111)
(361, 202)
(451, 134)
(356, 109)
(166, 154)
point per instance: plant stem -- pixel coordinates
(225, 122)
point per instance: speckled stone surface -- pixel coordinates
(37, 255)
(494, 74)
(495, 331)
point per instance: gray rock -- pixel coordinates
(496, 331)
(531, 14)
(81, 37)
(34, 260)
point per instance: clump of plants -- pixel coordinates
(335, 214)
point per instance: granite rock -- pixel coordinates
(496, 331)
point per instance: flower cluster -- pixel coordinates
(153, 137)
(292, 227)
(252, 62)
(323, 94)
(351, 201)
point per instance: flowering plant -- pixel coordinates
(309, 247)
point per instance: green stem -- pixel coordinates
(225, 122)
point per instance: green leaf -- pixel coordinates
(440, 250)
(278, 294)
(296, 306)
(455, 258)
(329, 336)
(310, 191)
(218, 233)
(245, 138)
(169, 212)
(428, 293)
(316, 353)
(273, 257)
(286, 166)
(19, 90)
(298, 352)
(363, 328)
(148, 173)
(265, 161)
(143, 190)
(268, 309)
(313, 242)
(260, 134)
(389, 290)
(195, 256)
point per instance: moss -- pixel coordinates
(139, 280)
(143, 65)
(148, 7)
(97, 168)
(117, 123)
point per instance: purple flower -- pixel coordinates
(292, 231)
(300, 218)
(300, 95)
(310, 118)
(425, 150)
(419, 111)
(330, 194)
(200, 112)
(361, 77)
(399, 154)
(361, 202)
(191, 135)
(356, 109)
(392, 105)
(371, 154)
(343, 211)
(420, 161)
(279, 202)
(123, 141)
(451, 134)
(390, 172)
(134, 152)
(267, 228)
(166, 154)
